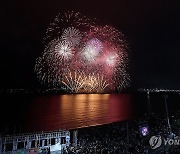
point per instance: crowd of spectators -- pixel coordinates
(125, 137)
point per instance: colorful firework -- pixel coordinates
(82, 56)
(95, 83)
(92, 49)
(111, 59)
(73, 81)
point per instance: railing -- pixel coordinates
(34, 136)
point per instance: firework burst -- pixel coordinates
(63, 49)
(82, 56)
(91, 49)
(72, 36)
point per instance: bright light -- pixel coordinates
(81, 55)
(92, 49)
(111, 59)
(64, 49)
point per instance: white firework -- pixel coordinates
(72, 36)
(111, 59)
(64, 50)
(63, 21)
(92, 49)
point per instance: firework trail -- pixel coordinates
(73, 81)
(95, 83)
(83, 56)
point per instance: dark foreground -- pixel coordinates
(119, 116)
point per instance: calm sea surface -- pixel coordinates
(73, 111)
(27, 113)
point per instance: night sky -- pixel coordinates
(151, 28)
